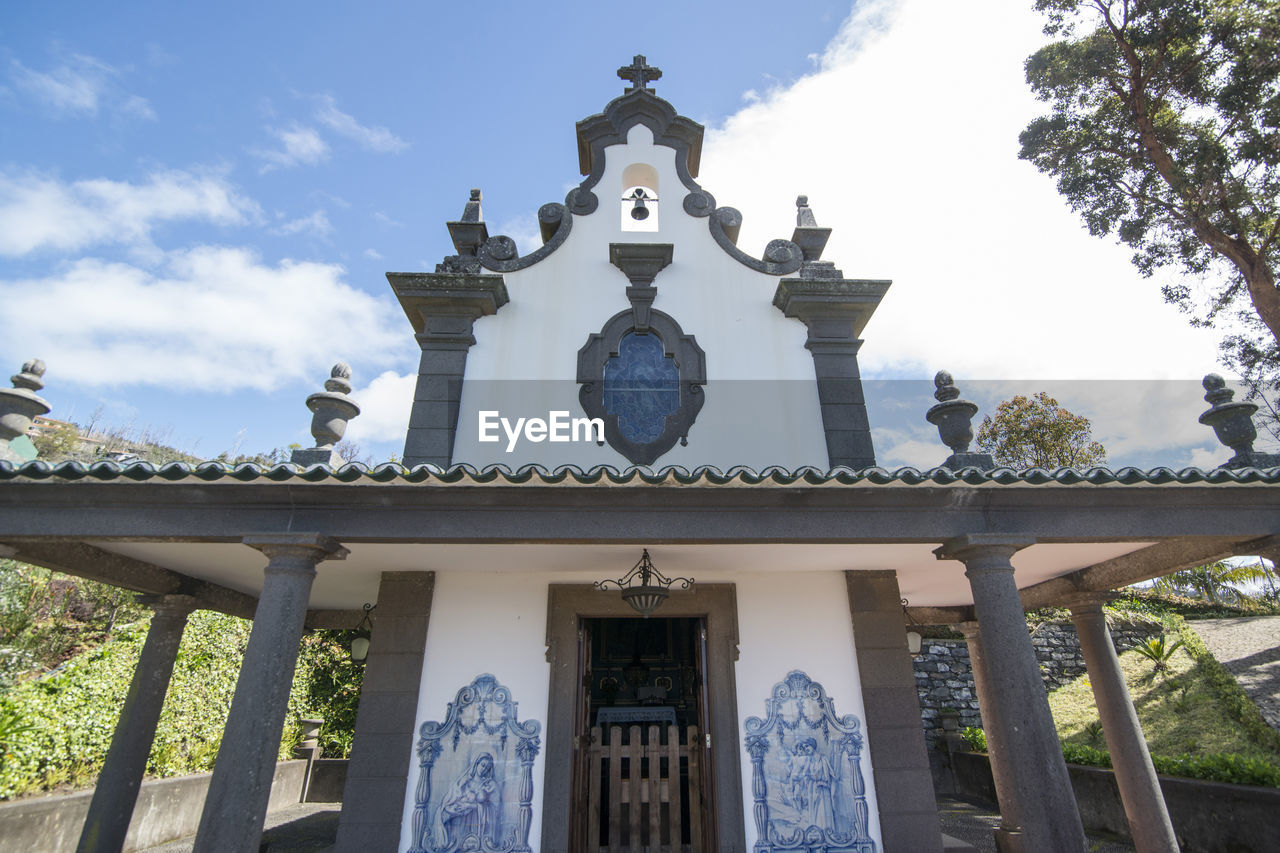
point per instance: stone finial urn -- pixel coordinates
(1232, 422)
(331, 410)
(953, 417)
(20, 405)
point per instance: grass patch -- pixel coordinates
(1180, 711)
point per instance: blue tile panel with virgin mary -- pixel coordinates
(475, 785)
(641, 387)
(806, 773)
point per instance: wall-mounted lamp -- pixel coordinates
(644, 587)
(914, 638)
(360, 644)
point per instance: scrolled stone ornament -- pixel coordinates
(699, 203)
(783, 253)
(500, 248)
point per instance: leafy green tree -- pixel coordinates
(1215, 582)
(55, 442)
(1036, 432)
(1165, 129)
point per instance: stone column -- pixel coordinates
(236, 805)
(1009, 833)
(1144, 805)
(383, 747)
(835, 310)
(895, 739)
(1036, 773)
(443, 308)
(111, 809)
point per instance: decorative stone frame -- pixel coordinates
(683, 350)
(567, 605)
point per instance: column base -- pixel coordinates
(1010, 841)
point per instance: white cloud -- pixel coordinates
(317, 223)
(384, 408)
(43, 213)
(386, 220)
(214, 319)
(906, 143)
(79, 87)
(378, 139)
(373, 254)
(299, 146)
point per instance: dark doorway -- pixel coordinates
(569, 608)
(643, 771)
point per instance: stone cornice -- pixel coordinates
(423, 295)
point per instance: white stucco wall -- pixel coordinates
(496, 623)
(761, 399)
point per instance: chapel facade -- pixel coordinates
(639, 583)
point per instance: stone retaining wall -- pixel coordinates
(167, 809)
(1207, 817)
(944, 677)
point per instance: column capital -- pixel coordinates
(169, 605)
(1083, 604)
(306, 547)
(983, 550)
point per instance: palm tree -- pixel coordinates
(1213, 582)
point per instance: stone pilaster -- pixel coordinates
(1144, 805)
(236, 805)
(835, 312)
(443, 308)
(111, 809)
(1035, 773)
(381, 753)
(895, 741)
(1009, 834)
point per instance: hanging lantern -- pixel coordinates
(644, 587)
(360, 644)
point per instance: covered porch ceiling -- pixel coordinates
(159, 531)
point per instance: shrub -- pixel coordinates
(69, 716)
(975, 738)
(1229, 692)
(1158, 651)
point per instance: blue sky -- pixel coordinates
(198, 204)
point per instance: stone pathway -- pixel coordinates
(302, 828)
(1248, 646)
(973, 822)
(312, 828)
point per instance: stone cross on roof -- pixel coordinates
(639, 73)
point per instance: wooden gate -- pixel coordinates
(644, 790)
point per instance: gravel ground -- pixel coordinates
(1248, 646)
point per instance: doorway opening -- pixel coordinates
(644, 771)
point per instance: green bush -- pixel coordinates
(70, 714)
(975, 737)
(1229, 692)
(1235, 769)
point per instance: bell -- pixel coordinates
(639, 211)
